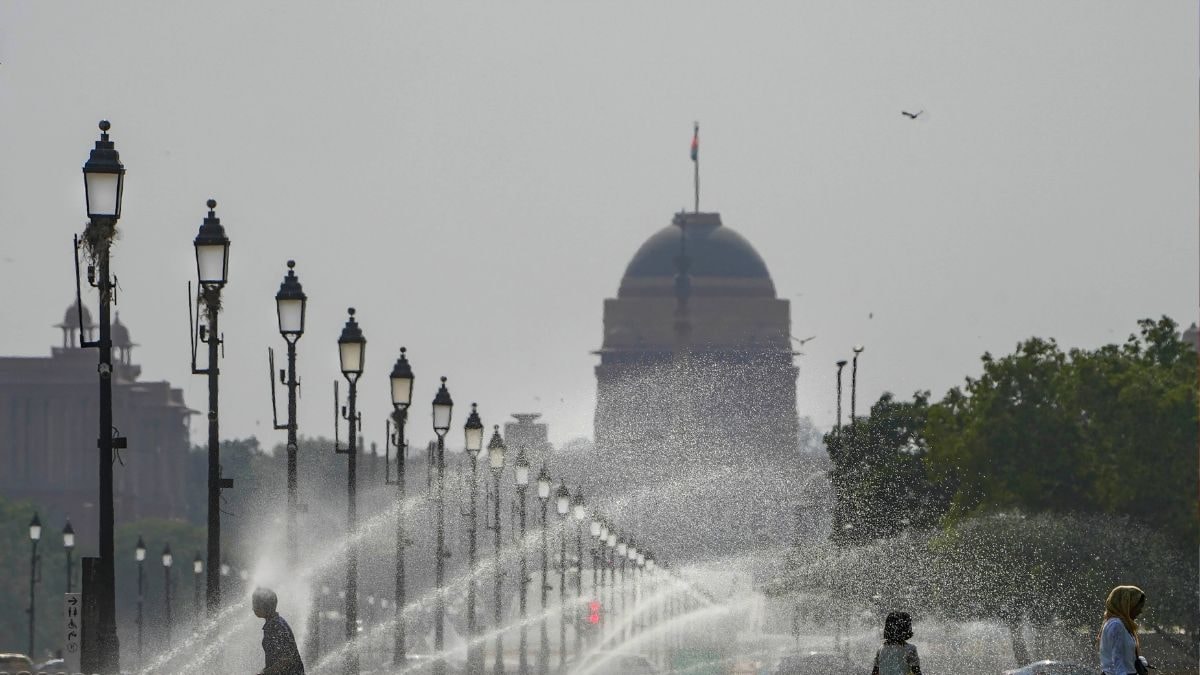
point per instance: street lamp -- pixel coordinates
(197, 570)
(521, 483)
(631, 554)
(290, 305)
(473, 433)
(69, 545)
(858, 349)
(401, 380)
(496, 451)
(594, 529)
(840, 364)
(167, 559)
(352, 353)
(610, 542)
(35, 534)
(543, 493)
(104, 188)
(212, 268)
(580, 513)
(443, 406)
(622, 555)
(562, 499)
(139, 554)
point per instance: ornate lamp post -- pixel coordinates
(212, 268)
(197, 570)
(622, 555)
(594, 530)
(580, 512)
(562, 500)
(69, 545)
(167, 559)
(104, 187)
(35, 534)
(521, 480)
(139, 554)
(543, 493)
(402, 387)
(290, 304)
(496, 451)
(443, 406)
(473, 432)
(611, 544)
(352, 353)
(631, 555)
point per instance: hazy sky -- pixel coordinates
(475, 177)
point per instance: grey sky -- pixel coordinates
(474, 178)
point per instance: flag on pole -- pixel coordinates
(696, 143)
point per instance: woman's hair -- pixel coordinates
(1120, 604)
(264, 601)
(897, 628)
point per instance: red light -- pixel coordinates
(594, 612)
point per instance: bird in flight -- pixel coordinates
(911, 116)
(801, 342)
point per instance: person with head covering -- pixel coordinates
(1120, 649)
(279, 644)
(896, 656)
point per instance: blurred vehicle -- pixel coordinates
(15, 663)
(816, 662)
(1053, 668)
(53, 666)
(614, 663)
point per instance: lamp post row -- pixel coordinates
(104, 189)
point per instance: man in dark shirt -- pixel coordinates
(279, 645)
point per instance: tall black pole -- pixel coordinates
(33, 565)
(109, 650)
(544, 645)
(292, 500)
(439, 568)
(68, 570)
(499, 663)
(624, 586)
(141, 596)
(167, 597)
(523, 667)
(578, 587)
(400, 655)
(840, 365)
(212, 303)
(351, 665)
(562, 597)
(474, 662)
(854, 385)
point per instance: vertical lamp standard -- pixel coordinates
(543, 493)
(212, 269)
(473, 431)
(521, 476)
(594, 530)
(631, 555)
(167, 559)
(611, 544)
(580, 512)
(496, 462)
(858, 349)
(562, 500)
(69, 545)
(104, 186)
(640, 569)
(352, 352)
(35, 534)
(601, 561)
(402, 388)
(197, 570)
(139, 554)
(443, 406)
(840, 364)
(622, 554)
(290, 305)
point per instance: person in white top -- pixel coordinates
(1120, 649)
(896, 656)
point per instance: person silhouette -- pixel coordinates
(279, 644)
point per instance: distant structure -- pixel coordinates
(531, 436)
(1191, 335)
(696, 385)
(49, 408)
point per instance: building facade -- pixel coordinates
(49, 414)
(696, 388)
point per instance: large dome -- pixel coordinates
(721, 260)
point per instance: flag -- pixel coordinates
(696, 144)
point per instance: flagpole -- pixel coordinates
(696, 162)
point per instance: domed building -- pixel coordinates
(696, 386)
